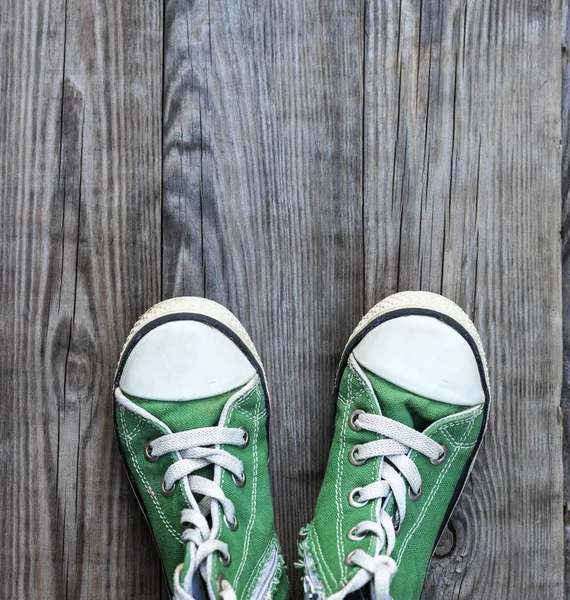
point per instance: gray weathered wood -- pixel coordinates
(443, 148)
(565, 180)
(80, 174)
(462, 110)
(263, 204)
(313, 157)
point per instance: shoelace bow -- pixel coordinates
(398, 441)
(196, 449)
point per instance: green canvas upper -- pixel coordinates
(255, 541)
(326, 544)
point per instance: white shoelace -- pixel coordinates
(195, 448)
(196, 451)
(399, 440)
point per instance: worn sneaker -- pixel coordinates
(191, 410)
(412, 396)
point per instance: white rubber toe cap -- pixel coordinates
(424, 356)
(184, 360)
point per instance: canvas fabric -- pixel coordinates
(326, 544)
(255, 539)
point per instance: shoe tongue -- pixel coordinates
(406, 407)
(189, 414)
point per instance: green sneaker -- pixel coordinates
(412, 396)
(191, 409)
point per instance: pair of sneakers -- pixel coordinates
(191, 416)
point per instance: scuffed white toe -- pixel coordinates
(424, 356)
(184, 360)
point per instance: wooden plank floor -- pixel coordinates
(296, 160)
(566, 279)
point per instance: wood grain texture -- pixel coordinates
(80, 174)
(565, 183)
(438, 182)
(262, 204)
(313, 158)
(461, 164)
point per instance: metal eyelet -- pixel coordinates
(232, 526)
(415, 495)
(167, 492)
(441, 457)
(352, 420)
(226, 559)
(245, 438)
(353, 501)
(353, 458)
(348, 559)
(239, 481)
(148, 452)
(352, 534)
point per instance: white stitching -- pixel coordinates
(161, 514)
(452, 420)
(137, 428)
(451, 441)
(257, 415)
(431, 496)
(340, 473)
(126, 435)
(317, 546)
(253, 500)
